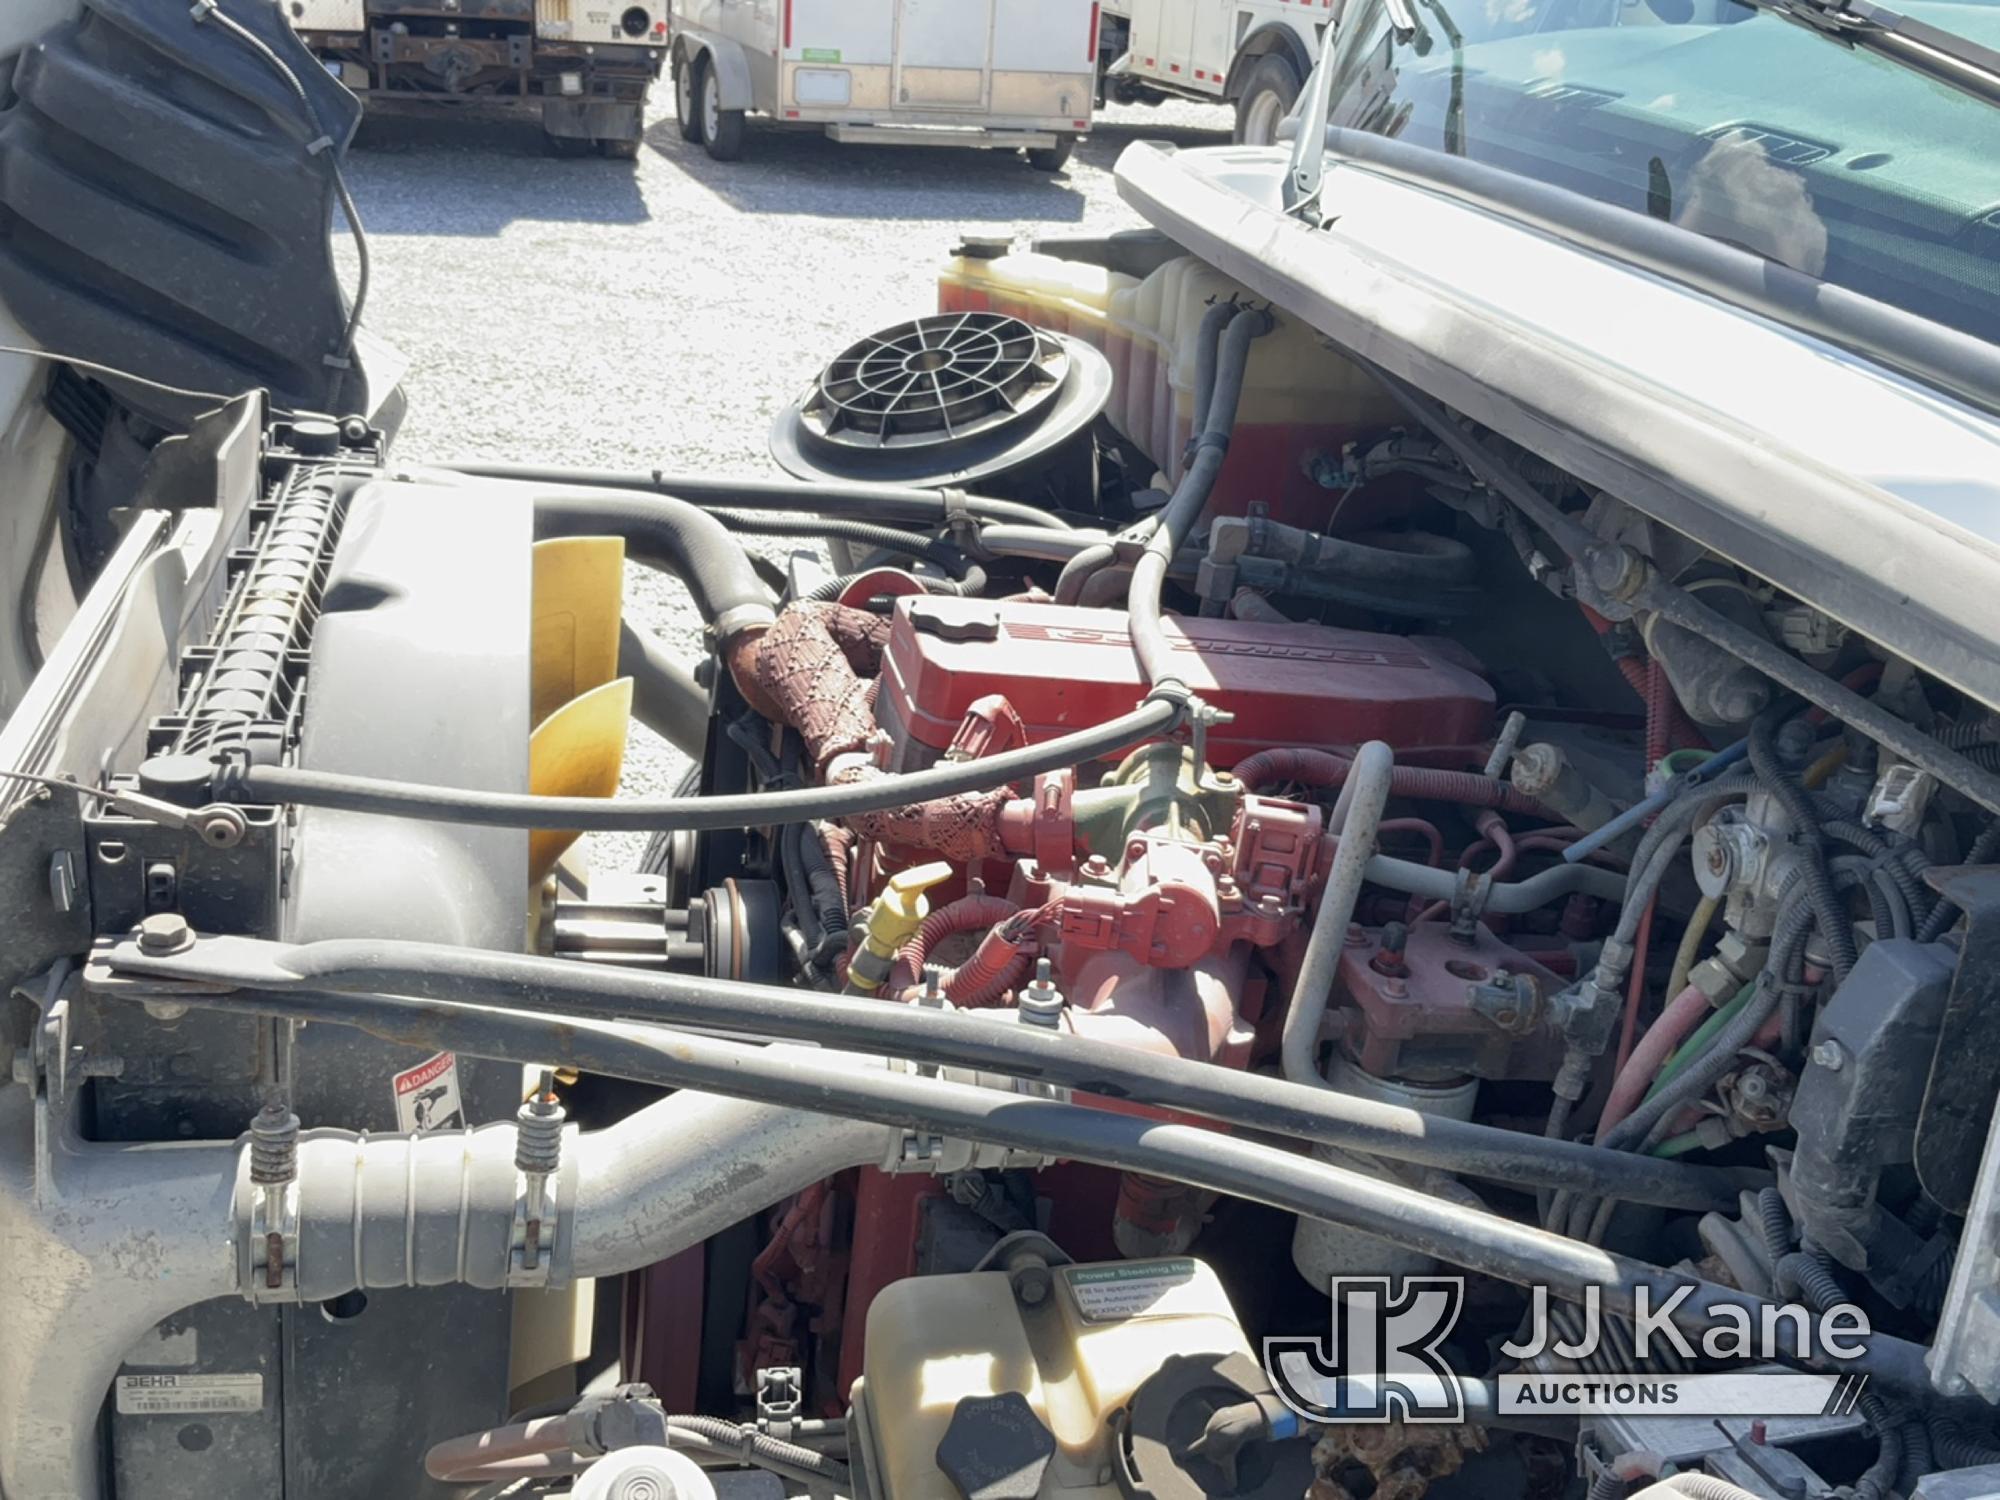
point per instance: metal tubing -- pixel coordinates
(1429, 1225)
(1357, 817)
(271, 973)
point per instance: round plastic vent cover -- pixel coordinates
(943, 400)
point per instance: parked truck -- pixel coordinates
(589, 64)
(1006, 74)
(1252, 54)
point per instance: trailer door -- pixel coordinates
(944, 54)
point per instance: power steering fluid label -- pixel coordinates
(188, 1395)
(1139, 1289)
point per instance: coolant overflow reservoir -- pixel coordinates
(1067, 1381)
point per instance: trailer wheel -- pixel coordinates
(721, 129)
(687, 98)
(1052, 158)
(1268, 96)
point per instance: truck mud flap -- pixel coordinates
(162, 208)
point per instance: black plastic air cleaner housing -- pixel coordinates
(966, 400)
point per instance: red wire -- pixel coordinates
(1636, 989)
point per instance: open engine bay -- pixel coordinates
(1227, 823)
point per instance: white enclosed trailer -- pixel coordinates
(1252, 54)
(983, 73)
(588, 65)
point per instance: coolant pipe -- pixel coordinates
(666, 532)
(665, 696)
(820, 1084)
(103, 1242)
(1357, 818)
(247, 973)
(1509, 899)
(1143, 604)
(1643, 810)
(894, 504)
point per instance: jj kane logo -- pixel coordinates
(1383, 1357)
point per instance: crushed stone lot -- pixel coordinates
(659, 313)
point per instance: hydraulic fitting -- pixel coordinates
(892, 921)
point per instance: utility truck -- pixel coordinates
(994, 74)
(589, 64)
(1252, 54)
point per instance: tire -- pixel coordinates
(567, 147)
(1052, 158)
(1268, 96)
(619, 150)
(687, 98)
(721, 129)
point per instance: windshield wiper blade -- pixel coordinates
(1943, 56)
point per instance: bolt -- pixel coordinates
(1040, 1003)
(165, 932)
(538, 1133)
(1618, 571)
(1395, 988)
(1830, 1055)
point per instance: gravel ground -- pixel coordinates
(658, 313)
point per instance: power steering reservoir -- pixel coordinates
(1034, 1380)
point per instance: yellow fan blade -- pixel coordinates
(578, 751)
(579, 598)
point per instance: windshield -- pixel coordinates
(1728, 121)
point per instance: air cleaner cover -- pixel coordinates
(1064, 668)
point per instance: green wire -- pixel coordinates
(1679, 1145)
(1695, 1045)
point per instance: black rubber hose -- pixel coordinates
(1428, 1224)
(666, 698)
(893, 504)
(1897, 863)
(823, 886)
(753, 1447)
(1917, 1456)
(1983, 849)
(446, 804)
(1955, 1446)
(1886, 908)
(1079, 570)
(1809, 1276)
(1775, 1220)
(970, 586)
(1835, 930)
(668, 533)
(1207, 351)
(987, 1042)
(1418, 557)
(862, 533)
(1143, 606)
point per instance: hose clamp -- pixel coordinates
(733, 622)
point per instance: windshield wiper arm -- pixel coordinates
(1943, 56)
(1307, 168)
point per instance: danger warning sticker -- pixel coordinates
(186, 1395)
(427, 1096)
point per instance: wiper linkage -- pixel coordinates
(1943, 56)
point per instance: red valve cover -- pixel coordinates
(1065, 669)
